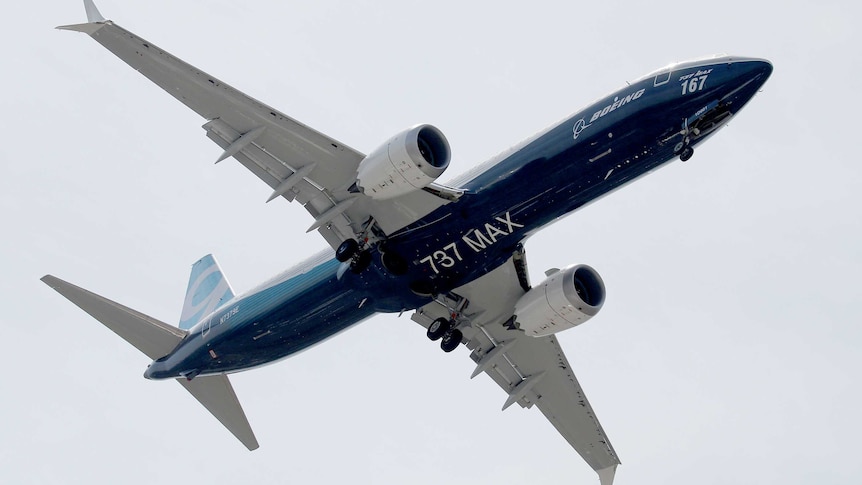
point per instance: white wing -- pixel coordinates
(296, 161)
(532, 371)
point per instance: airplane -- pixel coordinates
(452, 253)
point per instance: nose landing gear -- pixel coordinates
(683, 148)
(686, 153)
(705, 121)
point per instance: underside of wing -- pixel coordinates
(296, 161)
(532, 371)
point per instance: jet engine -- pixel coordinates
(567, 298)
(409, 161)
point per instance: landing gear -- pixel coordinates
(683, 150)
(349, 250)
(442, 328)
(346, 250)
(451, 340)
(438, 328)
(686, 153)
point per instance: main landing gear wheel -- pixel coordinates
(438, 328)
(346, 250)
(686, 154)
(451, 340)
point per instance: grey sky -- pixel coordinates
(727, 352)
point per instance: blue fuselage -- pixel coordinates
(608, 144)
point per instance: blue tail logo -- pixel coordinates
(208, 289)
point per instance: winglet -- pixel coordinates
(606, 475)
(93, 14)
(95, 21)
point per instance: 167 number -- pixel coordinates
(693, 84)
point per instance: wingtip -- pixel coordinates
(88, 29)
(95, 20)
(49, 280)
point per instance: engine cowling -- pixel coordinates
(409, 161)
(565, 299)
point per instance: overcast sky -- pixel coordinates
(728, 351)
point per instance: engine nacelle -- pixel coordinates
(409, 161)
(565, 299)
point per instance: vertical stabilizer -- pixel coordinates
(208, 289)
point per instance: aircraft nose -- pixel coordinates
(753, 69)
(156, 370)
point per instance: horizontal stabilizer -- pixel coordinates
(216, 394)
(154, 338)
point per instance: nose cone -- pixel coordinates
(744, 78)
(753, 68)
(157, 370)
(748, 73)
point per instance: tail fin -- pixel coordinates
(154, 338)
(208, 289)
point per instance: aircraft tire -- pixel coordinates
(346, 250)
(438, 329)
(451, 340)
(686, 154)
